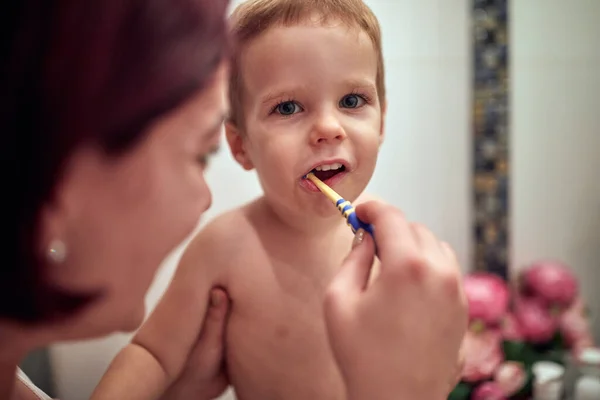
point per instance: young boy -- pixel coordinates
(307, 94)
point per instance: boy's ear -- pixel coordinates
(237, 146)
(382, 126)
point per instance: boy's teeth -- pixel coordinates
(327, 167)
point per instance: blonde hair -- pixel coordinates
(253, 17)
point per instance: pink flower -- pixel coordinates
(483, 354)
(487, 297)
(552, 282)
(575, 326)
(535, 320)
(510, 377)
(511, 329)
(488, 391)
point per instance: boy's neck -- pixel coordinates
(302, 226)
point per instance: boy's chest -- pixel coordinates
(282, 303)
(277, 330)
(280, 298)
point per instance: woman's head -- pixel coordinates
(108, 110)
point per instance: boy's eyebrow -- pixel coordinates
(361, 83)
(282, 92)
(269, 97)
(357, 83)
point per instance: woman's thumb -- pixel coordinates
(356, 268)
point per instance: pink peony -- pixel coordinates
(487, 296)
(510, 377)
(552, 282)
(482, 355)
(575, 326)
(488, 391)
(535, 320)
(511, 329)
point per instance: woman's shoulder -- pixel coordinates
(35, 391)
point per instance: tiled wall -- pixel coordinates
(490, 133)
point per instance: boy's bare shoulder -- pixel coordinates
(222, 233)
(223, 239)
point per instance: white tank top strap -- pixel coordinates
(27, 382)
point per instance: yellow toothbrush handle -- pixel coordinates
(343, 205)
(326, 190)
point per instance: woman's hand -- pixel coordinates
(399, 337)
(205, 376)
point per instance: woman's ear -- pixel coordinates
(382, 126)
(237, 146)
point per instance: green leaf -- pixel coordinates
(529, 354)
(516, 351)
(462, 391)
(558, 342)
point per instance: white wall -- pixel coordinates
(424, 163)
(556, 137)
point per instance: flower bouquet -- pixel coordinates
(542, 317)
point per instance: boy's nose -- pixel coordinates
(327, 129)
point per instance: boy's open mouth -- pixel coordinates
(328, 171)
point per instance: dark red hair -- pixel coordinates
(80, 72)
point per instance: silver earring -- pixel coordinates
(57, 251)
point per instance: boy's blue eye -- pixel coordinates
(351, 101)
(287, 108)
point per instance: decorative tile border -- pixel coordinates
(491, 139)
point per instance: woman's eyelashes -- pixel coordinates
(350, 101)
(204, 158)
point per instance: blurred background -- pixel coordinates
(493, 135)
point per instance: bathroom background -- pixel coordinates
(493, 141)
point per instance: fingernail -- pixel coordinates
(358, 237)
(215, 299)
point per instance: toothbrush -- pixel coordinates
(345, 207)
